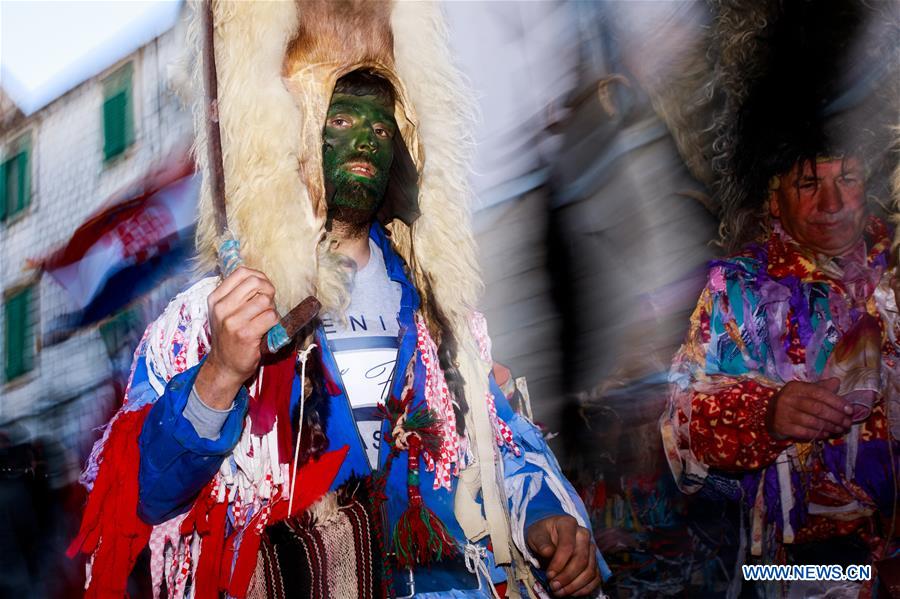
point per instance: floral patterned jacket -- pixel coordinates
(769, 315)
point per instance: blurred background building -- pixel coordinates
(66, 168)
(96, 213)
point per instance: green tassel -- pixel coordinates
(420, 538)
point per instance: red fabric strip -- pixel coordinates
(275, 400)
(110, 528)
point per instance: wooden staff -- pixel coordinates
(288, 327)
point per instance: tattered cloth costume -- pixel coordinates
(455, 506)
(768, 91)
(777, 313)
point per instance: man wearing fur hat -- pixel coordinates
(781, 375)
(375, 455)
(784, 394)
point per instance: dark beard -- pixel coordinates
(354, 206)
(355, 221)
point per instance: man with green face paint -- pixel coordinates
(357, 151)
(383, 390)
(359, 141)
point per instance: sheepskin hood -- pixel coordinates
(277, 63)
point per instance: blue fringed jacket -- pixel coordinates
(176, 463)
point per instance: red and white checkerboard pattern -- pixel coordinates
(437, 396)
(140, 235)
(170, 556)
(502, 432)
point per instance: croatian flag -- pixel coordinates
(127, 248)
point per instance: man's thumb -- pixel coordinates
(541, 543)
(832, 384)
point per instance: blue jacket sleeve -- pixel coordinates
(542, 505)
(176, 463)
(535, 484)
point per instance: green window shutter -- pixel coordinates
(129, 113)
(28, 346)
(118, 117)
(13, 185)
(19, 350)
(114, 135)
(3, 191)
(24, 177)
(15, 178)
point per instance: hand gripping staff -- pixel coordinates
(229, 250)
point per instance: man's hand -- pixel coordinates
(807, 411)
(241, 311)
(569, 553)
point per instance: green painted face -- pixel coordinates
(357, 154)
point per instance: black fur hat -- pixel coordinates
(799, 79)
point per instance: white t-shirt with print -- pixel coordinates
(365, 346)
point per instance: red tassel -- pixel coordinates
(314, 479)
(227, 560)
(420, 538)
(212, 541)
(111, 512)
(245, 564)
